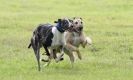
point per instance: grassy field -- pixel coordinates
(108, 22)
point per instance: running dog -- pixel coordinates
(50, 37)
(74, 38)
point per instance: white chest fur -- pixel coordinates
(76, 39)
(58, 38)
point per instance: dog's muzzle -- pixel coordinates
(70, 28)
(80, 28)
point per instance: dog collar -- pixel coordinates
(58, 26)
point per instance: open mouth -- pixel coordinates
(80, 28)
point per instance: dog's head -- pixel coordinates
(64, 24)
(78, 24)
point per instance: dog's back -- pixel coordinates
(43, 29)
(41, 32)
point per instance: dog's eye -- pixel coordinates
(76, 22)
(66, 21)
(81, 22)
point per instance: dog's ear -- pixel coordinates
(80, 18)
(59, 20)
(55, 21)
(74, 17)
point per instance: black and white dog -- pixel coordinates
(50, 36)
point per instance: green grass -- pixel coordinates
(108, 22)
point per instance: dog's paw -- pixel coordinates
(88, 40)
(61, 59)
(44, 60)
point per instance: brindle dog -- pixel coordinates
(50, 37)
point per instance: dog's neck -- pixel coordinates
(59, 28)
(77, 33)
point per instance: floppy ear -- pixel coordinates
(74, 17)
(59, 20)
(55, 21)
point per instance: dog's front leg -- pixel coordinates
(54, 53)
(83, 40)
(36, 47)
(59, 58)
(72, 48)
(63, 44)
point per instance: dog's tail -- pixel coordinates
(32, 39)
(29, 45)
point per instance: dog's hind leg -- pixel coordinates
(49, 56)
(38, 58)
(71, 56)
(47, 64)
(46, 49)
(47, 53)
(48, 60)
(37, 54)
(36, 48)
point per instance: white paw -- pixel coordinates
(89, 41)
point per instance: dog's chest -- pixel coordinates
(76, 39)
(58, 38)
